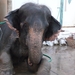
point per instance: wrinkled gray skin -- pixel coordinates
(22, 38)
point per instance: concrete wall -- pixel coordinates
(69, 14)
(9, 5)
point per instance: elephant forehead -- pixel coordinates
(31, 7)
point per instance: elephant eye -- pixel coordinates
(46, 29)
(47, 24)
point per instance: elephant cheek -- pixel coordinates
(34, 44)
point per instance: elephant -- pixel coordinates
(23, 32)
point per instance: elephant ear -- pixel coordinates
(10, 30)
(53, 27)
(14, 19)
(13, 22)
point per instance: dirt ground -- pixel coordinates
(63, 61)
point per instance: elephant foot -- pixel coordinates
(44, 67)
(7, 72)
(6, 67)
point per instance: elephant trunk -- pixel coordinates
(34, 44)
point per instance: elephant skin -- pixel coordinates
(23, 33)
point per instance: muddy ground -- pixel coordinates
(63, 61)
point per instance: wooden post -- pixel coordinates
(3, 9)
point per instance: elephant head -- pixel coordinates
(34, 23)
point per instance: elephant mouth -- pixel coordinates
(29, 62)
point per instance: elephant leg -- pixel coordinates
(44, 67)
(5, 64)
